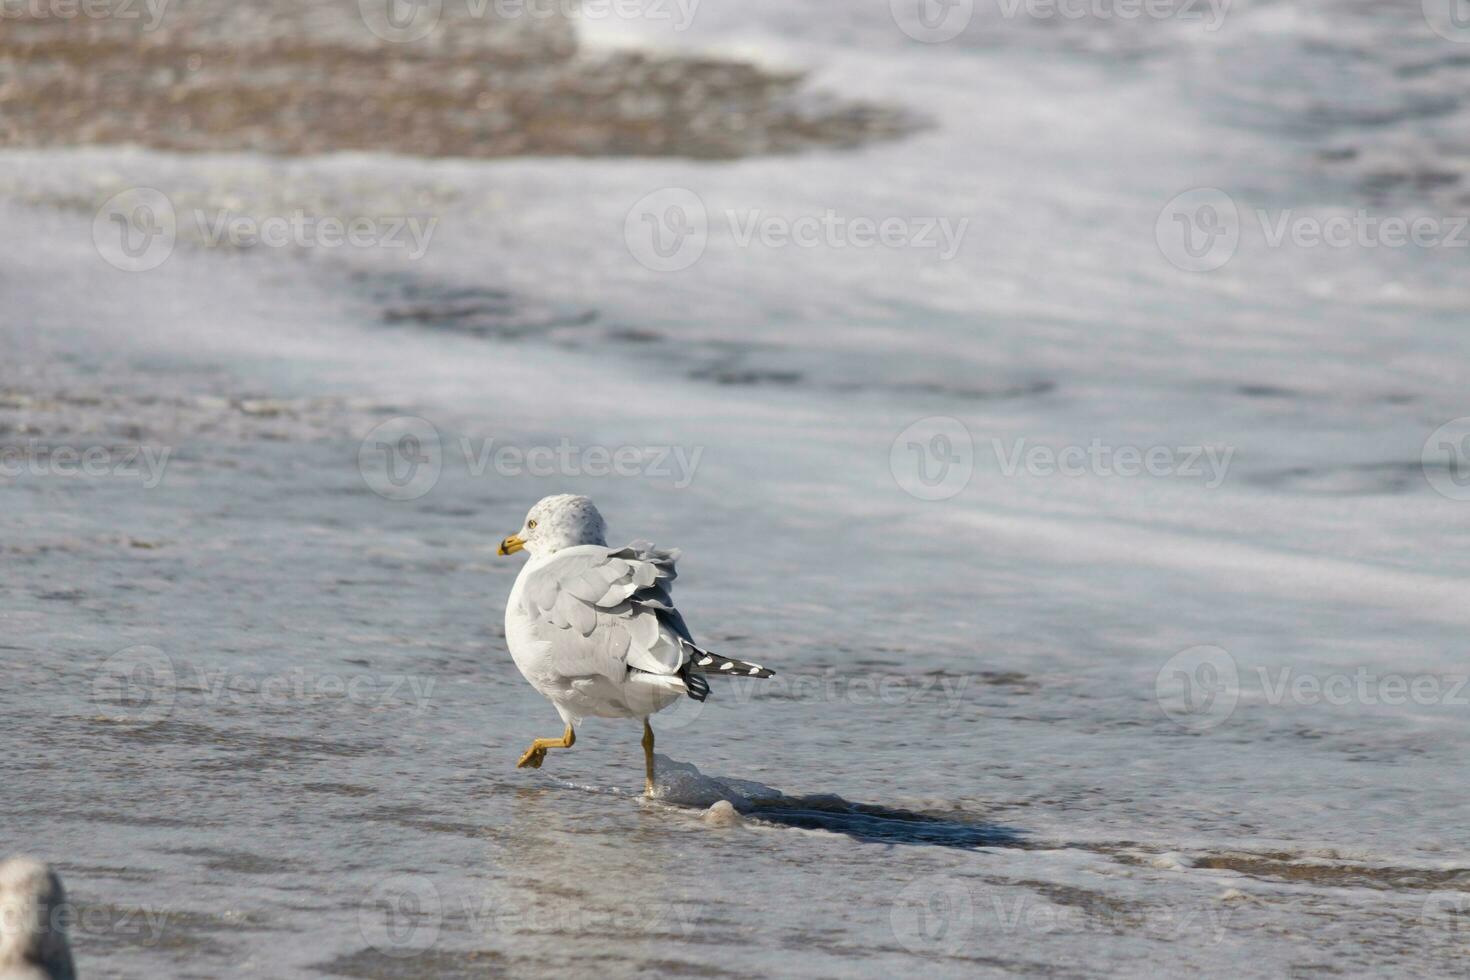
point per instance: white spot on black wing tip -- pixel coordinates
(706, 661)
(755, 669)
(727, 665)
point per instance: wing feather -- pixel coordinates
(607, 610)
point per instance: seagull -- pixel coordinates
(594, 628)
(33, 915)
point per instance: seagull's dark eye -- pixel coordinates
(531, 525)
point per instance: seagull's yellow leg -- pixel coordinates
(647, 759)
(536, 754)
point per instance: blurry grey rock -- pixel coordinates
(32, 923)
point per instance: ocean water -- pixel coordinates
(1042, 708)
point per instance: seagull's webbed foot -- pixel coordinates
(536, 754)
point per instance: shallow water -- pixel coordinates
(973, 760)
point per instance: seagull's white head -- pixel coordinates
(33, 921)
(560, 521)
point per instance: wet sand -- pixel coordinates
(316, 79)
(321, 782)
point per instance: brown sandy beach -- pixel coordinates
(297, 78)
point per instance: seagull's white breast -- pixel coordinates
(527, 650)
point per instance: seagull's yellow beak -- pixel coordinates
(510, 545)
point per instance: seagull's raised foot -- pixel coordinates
(536, 754)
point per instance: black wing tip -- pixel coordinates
(719, 666)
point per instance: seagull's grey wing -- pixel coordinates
(605, 610)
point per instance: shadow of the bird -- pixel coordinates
(882, 824)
